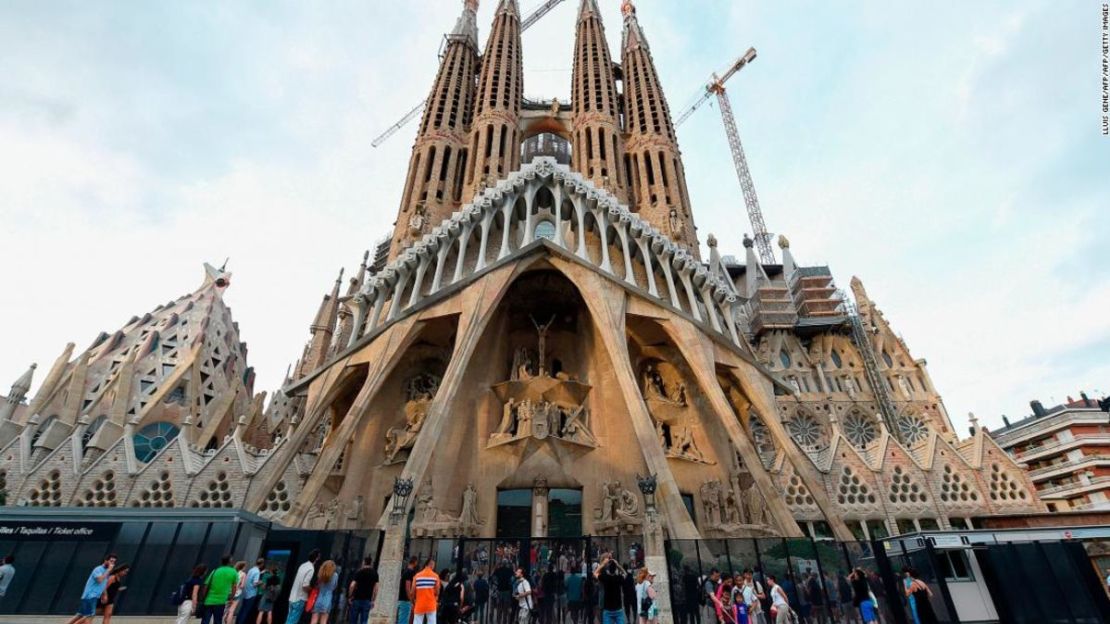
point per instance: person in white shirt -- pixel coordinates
(779, 602)
(523, 593)
(302, 584)
(7, 571)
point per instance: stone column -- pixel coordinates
(390, 566)
(539, 508)
(655, 558)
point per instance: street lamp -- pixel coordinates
(647, 488)
(402, 489)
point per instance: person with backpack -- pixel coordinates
(708, 592)
(218, 588)
(645, 597)
(753, 594)
(522, 591)
(271, 589)
(187, 597)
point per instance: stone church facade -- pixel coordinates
(536, 323)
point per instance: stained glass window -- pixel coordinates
(153, 438)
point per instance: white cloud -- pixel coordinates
(129, 158)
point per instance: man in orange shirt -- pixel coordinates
(425, 590)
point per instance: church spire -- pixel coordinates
(495, 138)
(433, 186)
(656, 176)
(595, 105)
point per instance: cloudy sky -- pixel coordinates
(950, 155)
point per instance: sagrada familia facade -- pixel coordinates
(541, 318)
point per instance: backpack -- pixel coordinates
(645, 603)
(178, 596)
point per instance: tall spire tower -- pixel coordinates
(433, 188)
(495, 137)
(595, 105)
(657, 178)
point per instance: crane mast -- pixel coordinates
(716, 86)
(532, 18)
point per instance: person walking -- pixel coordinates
(645, 597)
(7, 573)
(302, 584)
(94, 587)
(326, 581)
(404, 599)
(189, 594)
(252, 586)
(522, 591)
(426, 586)
(780, 604)
(236, 593)
(271, 590)
(575, 585)
(220, 585)
(362, 592)
(111, 592)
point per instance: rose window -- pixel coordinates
(860, 429)
(912, 428)
(806, 430)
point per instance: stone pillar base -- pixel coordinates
(389, 574)
(655, 558)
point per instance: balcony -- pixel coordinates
(1071, 465)
(1076, 487)
(1083, 439)
(1052, 422)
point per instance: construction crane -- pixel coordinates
(716, 86)
(534, 17)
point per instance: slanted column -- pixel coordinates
(483, 245)
(467, 229)
(360, 317)
(580, 212)
(710, 308)
(645, 252)
(506, 213)
(622, 232)
(684, 273)
(441, 260)
(603, 229)
(418, 283)
(398, 291)
(666, 264)
(557, 193)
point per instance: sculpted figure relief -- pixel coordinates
(619, 511)
(419, 392)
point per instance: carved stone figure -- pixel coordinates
(610, 500)
(676, 222)
(523, 367)
(753, 498)
(315, 518)
(417, 220)
(469, 515)
(356, 511)
(711, 500)
(732, 507)
(398, 439)
(332, 514)
(683, 444)
(542, 344)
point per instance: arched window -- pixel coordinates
(784, 357)
(153, 438)
(42, 429)
(837, 362)
(888, 360)
(91, 431)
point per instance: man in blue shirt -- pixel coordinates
(251, 586)
(94, 587)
